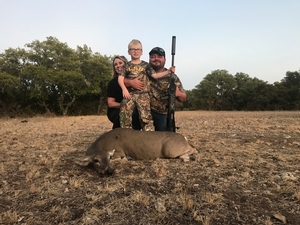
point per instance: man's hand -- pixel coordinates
(135, 83)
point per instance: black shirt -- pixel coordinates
(114, 91)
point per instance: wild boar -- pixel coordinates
(124, 142)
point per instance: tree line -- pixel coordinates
(49, 77)
(220, 90)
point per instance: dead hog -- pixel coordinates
(123, 142)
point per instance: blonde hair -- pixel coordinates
(121, 57)
(134, 42)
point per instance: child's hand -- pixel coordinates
(172, 69)
(126, 94)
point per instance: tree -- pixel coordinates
(11, 64)
(34, 83)
(8, 84)
(215, 91)
(58, 72)
(243, 91)
(280, 100)
(12, 61)
(97, 72)
(68, 85)
(190, 102)
(55, 78)
(291, 82)
(261, 95)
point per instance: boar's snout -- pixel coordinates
(109, 171)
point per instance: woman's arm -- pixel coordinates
(111, 102)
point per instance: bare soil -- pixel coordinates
(246, 171)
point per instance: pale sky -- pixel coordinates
(258, 37)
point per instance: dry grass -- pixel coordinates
(246, 172)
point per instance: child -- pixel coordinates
(137, 98)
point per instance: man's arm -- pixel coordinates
(180, 96)
(135, 83)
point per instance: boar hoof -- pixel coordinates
(192, 158)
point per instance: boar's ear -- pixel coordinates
(111, 153)
(84, 161)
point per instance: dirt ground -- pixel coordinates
(246, 171)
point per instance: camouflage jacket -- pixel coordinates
(159, 93)
(143, 71)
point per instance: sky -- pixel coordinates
(260, 38)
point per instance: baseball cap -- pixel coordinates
(158, 50)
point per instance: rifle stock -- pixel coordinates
(172, 90)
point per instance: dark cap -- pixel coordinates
(158, 50)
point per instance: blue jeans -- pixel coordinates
(160, 121)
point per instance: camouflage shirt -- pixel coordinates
(159, 93)
(142, 70)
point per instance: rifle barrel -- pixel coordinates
(173, 48)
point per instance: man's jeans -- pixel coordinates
(160, 121)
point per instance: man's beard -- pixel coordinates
(156, 67)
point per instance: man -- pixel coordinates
(134, 98)
(159, 89)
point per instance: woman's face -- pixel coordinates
(118, 63)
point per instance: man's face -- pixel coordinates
(157, 61)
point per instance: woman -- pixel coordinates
(115, 96)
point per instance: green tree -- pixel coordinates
(33, 84)
(281, 99)
(255, 94)
(97, 71)
(243, 91)
(12, 61)
(190, 102)
(59, 74)
(11, 65)
(215, 91)
(291, 82)
(53, 54)
(68, 85)
(8, 85)
(261, 97)
(252, 93)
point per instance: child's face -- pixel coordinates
(135, 51)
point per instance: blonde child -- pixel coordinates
(133, 97)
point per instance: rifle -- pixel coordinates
(172, 89)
